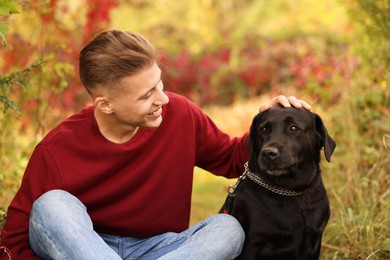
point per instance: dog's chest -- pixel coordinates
(280, 227)
(261, 209)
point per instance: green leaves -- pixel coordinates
(6, 83)
(8, 7)
(3, 215)
(3, 31)
(16, 78)
(9, 104)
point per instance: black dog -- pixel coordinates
(280, 200)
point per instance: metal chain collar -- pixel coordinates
(278, 190)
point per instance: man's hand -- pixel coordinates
(285, 102)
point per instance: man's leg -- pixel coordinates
(60, 228)
(217, 237)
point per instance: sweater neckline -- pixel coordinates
(140, 132)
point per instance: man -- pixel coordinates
(114, 180)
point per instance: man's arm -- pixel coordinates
(40, 176)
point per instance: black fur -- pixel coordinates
(285, 145)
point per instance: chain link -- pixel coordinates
(278, 190)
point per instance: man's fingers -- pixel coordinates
(285, 102)
(265, 107)
(294, 102)
(305, 105)
(298, 103)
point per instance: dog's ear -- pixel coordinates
(326, 141)
(253, 144)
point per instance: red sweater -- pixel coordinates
(140, 188)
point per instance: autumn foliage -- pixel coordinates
(215, 76)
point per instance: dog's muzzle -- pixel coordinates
(268, 159)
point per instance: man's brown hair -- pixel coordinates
(113, 55)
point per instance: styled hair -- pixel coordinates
(113, 55)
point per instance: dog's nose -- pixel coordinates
(270, 153)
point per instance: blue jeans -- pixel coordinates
(60, 228)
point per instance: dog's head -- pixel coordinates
(285, 145)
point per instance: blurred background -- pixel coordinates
(229, 57)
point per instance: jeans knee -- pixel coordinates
(231, 232)
(55, 206)
(54, 200)
(234, 229)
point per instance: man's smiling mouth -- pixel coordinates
(157, 112)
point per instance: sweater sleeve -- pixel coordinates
(216, 151)
(41, 175)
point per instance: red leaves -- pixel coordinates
(198, 79)
(276, 65)
(98, 16)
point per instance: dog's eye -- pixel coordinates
(294, 129)
(263, 130)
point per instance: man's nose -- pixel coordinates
(162, 98)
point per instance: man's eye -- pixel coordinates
(148, 94)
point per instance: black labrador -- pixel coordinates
(280, 200)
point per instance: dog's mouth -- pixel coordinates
(276, 172)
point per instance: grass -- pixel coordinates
(208, 195)
(359, 226)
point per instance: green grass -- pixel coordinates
(209, 193)
(359, 227)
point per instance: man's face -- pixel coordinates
(140, 101)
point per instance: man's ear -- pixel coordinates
(104, 105)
